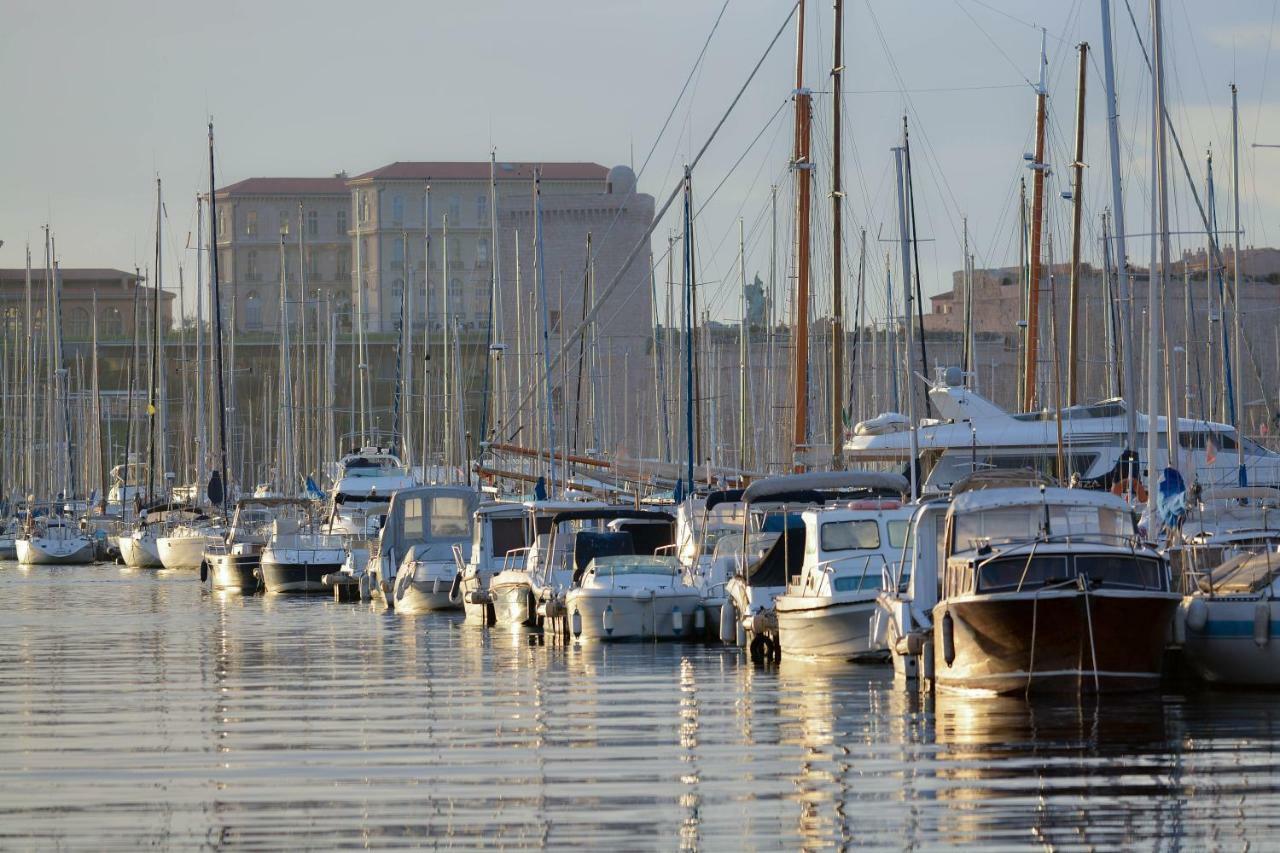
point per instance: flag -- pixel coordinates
(1210, 451)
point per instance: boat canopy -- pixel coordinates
(824, 481)
(610, 514)
(983, 499)
(724, 496)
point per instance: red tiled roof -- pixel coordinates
(287, 186)
(67, 274)
(479, 171)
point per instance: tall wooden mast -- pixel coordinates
(1037, 218)
(800, 363)
(837, 286)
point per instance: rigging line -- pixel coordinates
(1015, 19)
(1266, 62)
(567, 343)
(994, 43)
(742, 157)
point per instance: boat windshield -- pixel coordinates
(634, 565)
(1003, 525)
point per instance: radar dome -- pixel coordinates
(621, 180)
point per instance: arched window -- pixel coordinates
(110, 323)
(252, 311)
(78, 324)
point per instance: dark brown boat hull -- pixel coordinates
(1060, 641)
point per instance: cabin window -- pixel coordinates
(898, 532)
(450, 517)
(507, 535)
(852, 535)
(852, 583)
(1020, 573)
(1121, 570)
(413, 527)
(997, 526)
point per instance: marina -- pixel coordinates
(481, 502)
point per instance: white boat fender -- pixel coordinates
(607, 620)
(948, 638)
(1197, 614)
(740, 632)
(364, 588)
(677, 620)
(757, 623)
(576, 623)
(435, 586)
(699, 620)
(728, 621)
(1262, 623)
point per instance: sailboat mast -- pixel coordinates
(1124, 273)
(1037, 220)
(216, 302)
(837, 235)
(152, 400)
(905, 245)
(1235, 282)
(1077, 209)
(801, 164)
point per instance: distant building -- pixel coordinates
(119, 294)
(252, 215)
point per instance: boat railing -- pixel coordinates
(827, 567)
(666, 550)
(515, 554)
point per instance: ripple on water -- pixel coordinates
(140, 709)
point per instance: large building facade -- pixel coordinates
(119, 298)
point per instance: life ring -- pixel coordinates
(1130, 485)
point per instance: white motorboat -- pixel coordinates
(852, 554)
(633, 597)
(140, 549)
(54, 540)
(971, 433)
(233, 564)
(425, 525)
(299, 555)
(367, 478)
(1230, 623)
(771, 551)
(500, 529)
(513, 592)
(702, 525)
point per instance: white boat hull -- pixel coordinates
(513, 603)
(140, 552)
(613, 617)
(1236, 644)
(826, 627)
(76, 551)
(426, 587)
(184, 552)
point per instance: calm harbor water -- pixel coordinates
(138, 709)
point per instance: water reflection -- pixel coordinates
(141, 709)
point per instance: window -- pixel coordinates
(313, 261)
(455, 209)
(364, 206)
(342, 221)
(898, 531)
(508, 534)
(344, 263)
(251, 223)
(482, 210)
(397, 209)
(482, 250)
(413, 526)
(851, 535)
(283, 218)
(313, 223)
(78, 323)
(397, 255)
(224, 230)
(251, 265)
(450, 517)
(252, 311)
(397, 296)
(455, 253)
(110, 324)
(553, 319)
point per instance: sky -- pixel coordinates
(105, 97)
